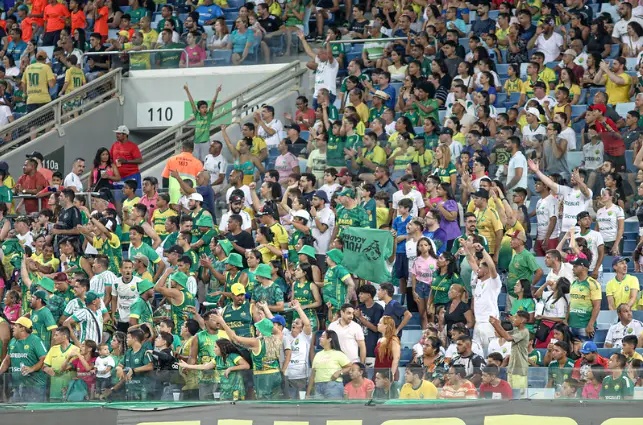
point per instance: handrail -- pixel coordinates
(366, 40)
(118, 52)
(53, 114)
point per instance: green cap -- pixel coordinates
(205, 220)
(265, 325)
(235, 259)
(348, 191)
(264, 271)
(308, 251)
(47, 284)
(180, 278)
(41, 294)
(91, 297)
(336, 255)
(144, 286)
(226, 246)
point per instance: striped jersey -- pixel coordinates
(101, 280)
(91, 325)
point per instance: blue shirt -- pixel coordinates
(208, 13)
(16, 49)
(399, 225)
(528, 33)
(479, 27)
(391, 92)
(208, 199)
(239, 41)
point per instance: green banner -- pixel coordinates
(366, 252)
(225, 107)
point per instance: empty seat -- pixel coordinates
(502, 301)
(629, 246)
(638, 315)
(411, 337)
(623, 108)
(608, 316)
(607, 352)
(406, 356)
(577, 110)
(631, 226)
(502, 69)
(415, 322)
(221, 57)
(537, 376)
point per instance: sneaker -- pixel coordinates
(310, 37)
(319, 39)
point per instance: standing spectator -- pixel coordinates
(546, 41)
(483, 24)
(68, 219)
(38, 78)
(328, 367)
(216, 164)
(30, 183)
(269, 128)
(625, 326)
(488, 222)
(585, 301)
(127, 157)
(150, 196)
(548, 227)
(610, 222)
(368, 314)
(522, 266)
(517, 167)
(55, 14)
(594, 242)
(617, 82)
(72, 180)
(350, 334)
(202, 122)
(184, 166)
(519, 338)
(325, 68)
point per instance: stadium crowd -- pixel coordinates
(226, 281)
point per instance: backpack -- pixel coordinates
(77, 390)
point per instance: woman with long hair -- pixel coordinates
(220, 40)
(513, 83)
(83, 363)
(278, 277)
(306, 255)
(486, 84)
(268, 250)
(406, 91)
(568, 79)
(465, 73)
(80, 39)
(445, 276)
(105, 171)
(614, 181)
(443, 167)
(599, 40)
(633, 43)
(593, 65)
(398, 66)
(228, 362)
(28, 56)
(306, 292)
(415, 170)
(610, 221)
(524, 301)
(553, 300)
(388, 348)
(9, 63)
(456, 310)
(517, 49)
(115, 14)
(578, 24)
(329, 365)
(421, 272)
(244, 160)
(484, 118)
(562, 332)
(253, 259)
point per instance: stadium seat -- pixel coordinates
(609, 317)
(631, 226)
(221, 56)
(493, 14)
(592, 92)
(512, 100)
(638, 315)
(538, 376)
(415, 322)
(604, 303)
(411, 337)
(406, 356)
(574, 159)
(577, 110)
(578, 126)
(631, 64)
(501, 99)
(599, 336)
(502, 70)
(607, 352)
(623, 108)
(629, 246)
(615, 51)
(502, 301)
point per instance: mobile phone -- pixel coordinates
(553, 341)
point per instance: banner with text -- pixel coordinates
(366, 252)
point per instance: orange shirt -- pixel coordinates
(100, 25)
(27, 29)
(185, 163)
(38, 8)
(55, 17)
(78, 20)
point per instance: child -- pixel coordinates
(569, 389)
(492, 47)
(513, 83)
(56, 185)
(562, 104)
(592, 387)
(422, 271)
(464, 163)
(330, 185)
(104, 365)
(630, 343)
(12, 305)
(382, 209)
(168, 326)
(500, 345)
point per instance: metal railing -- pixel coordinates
(86, 55)
(24, 196)
(241, 104)
(55, 113)
(366, 40)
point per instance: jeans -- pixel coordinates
(307, 12)
(581, 334)
(331, 390)
(29, 395)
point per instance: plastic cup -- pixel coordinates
(176, 395)
(302, 395)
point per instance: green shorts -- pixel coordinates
(268, 386)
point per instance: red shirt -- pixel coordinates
(503, 388)
(84, 374)
(581, 366)
(309, 116)
(78, 20)
(128, 151)
(47, 174)
(100, 24)
(37, 181)
(55, 17)
(38, 8)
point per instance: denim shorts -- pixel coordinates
(331, 390)
(423, 290)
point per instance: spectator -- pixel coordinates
(415, 387)
(630, 342)
(55, 15)
(242, 41)
(458, 387)
(216, 165)
(328, 367)
(359, 387)
(194, 55)
(617, 82)
(350, 335)
(625, 326)
(73, 181)
(325, 67)
(493, 387)
(585, 301)
(546, 41)
(617, 385)
(589, 358)
(38, 79)
(127, 157)
(30, 183)
(483, 24)
(203, 120)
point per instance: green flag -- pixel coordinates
(366, 252)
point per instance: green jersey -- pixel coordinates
(252, 280)
(581, 297)
(141, 310)
(56, 305)
(354, 142)
(558, 374)
(354, 217)
(239, 319)
(179, 313)
(428, 103)
(146, 251)
(202, 127)
(617, 389)
(271, 294)
(206, 238)
(371, 211)
(206, 354)
(170, 60)
(262, 362)
(194, 268)
(536, 357)
(304, 295)
(133, 360)
(441, 285)
(27, 352)
(138, 14)
(522, 266)
(293, 256)
(231, 387)
(6, 195)
(43, 324)
(215, 285)
(334, 290)
(335, 151)
(525, 304)
(170, 240)
(375, 113)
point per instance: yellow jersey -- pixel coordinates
(138, 60)
(620, 290)
(488, 224)
(36, 80)
(159, 218)
(258, 144)
(615, 93)
(426, 391)
(75, 78)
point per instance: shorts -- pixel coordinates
(329, 14)
(423, 290)
(33, 106)
(517, 381)
(268, 386)
(401, 266)
(541, 247)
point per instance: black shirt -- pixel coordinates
(373, 315)
(244, 240)
(97, 58)
(270, 24)
(69, 218)
(396, 311)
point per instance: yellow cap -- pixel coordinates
(238, 289)
(24, 321)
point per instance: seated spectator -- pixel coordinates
(415, 387)
(457, 386)
(194, 55)
(625, 326)
(359, 387)
(493, 387)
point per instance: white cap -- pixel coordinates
(196, 197)
(122, 129)
(302, 214)
(534, 111)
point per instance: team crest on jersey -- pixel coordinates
(35, 318)
(243, 314)
(629, 330)
(132, 287)
(136, 361)
(627, 288)
(27, 347)
(617, 387)
(609, 213)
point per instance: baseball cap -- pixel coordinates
(321, 195)
(293, 127)
(617, 260)
(266, 210)
(196, 197)
(40, 294)
(570, 52)
(347, 191)
(302, 214)
(36, 154)
(343, 172)
(519, 235)
(122, 128)
(539, 84)
(123, 33)
(598, 107)
(91, 297)
(462, 102)
(534, 111)
(235, 199)
(447, 130)
(580, 262)
(238, 289)
(278, 318)
(482, 193)
(24, 321)
(588, 347)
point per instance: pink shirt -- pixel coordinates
(12, 312)
(359, 393)
(591, 392)
(284, 164)
(195, 55)
(423, 269)
(150, 203)
(86, 375)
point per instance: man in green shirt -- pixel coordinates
(267, 290)
(180, 299)
(202, 352)
(424, 105)
(561, 366)
(238, 314)
(26, 357)
(522, 266)
(350, 214)
(169, 60)
(134, 367)
(338, 283)
(335, 156)
(618, 386)
(584, 301)
(377, 104)
(137, 246)
(42, 319)
(136, 13)
(202, 123)
(141, 309)
(6, 195)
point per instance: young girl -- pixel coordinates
(12, 306)
(228, 363)
(594, 383)
(422, 276)
(306, 292)
(514, 83)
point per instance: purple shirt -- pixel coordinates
(451, 228)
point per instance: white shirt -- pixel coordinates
(175, 38)
(272, 141)
(127, 293)
(495, 347)
(518, 160)
(246, 191)
(191, 285)
(102, 363)
(552, 102)
(99, 281)
(5, 114)
(545, 209)
(245, 225)
(322, 240)
(569, 135)
(485, 295)
(73, 180)
(414, 196)
(550, 47)
(452, 350)
(26, 239)
(326, 76)
(566, 271)
(607, 220)
(593, 155)
(215, 165)
(455, 148)
(330, 189)
(620, 28)
(299, 353)
(552, 307)
(594, 240)
(617, 331)
(573, 203)
(348, 338)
